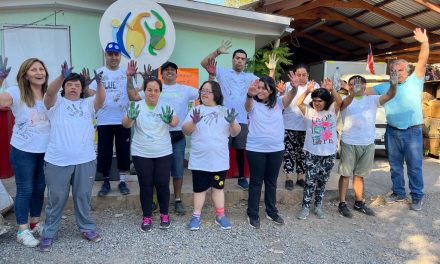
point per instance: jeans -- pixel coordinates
(264, 167)
(30, 184)
(405, 145)
(177, 158)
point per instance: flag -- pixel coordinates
(370, 66)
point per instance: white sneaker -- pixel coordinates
(38, 230)
(26, 238)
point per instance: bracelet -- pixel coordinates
(248, 96)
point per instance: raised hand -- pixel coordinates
(231, 115)
(357, 85)
(253, 89)
(131, 68)
(420, 35)
(394, 77)
(273, 60)
(167, 114)
(65, 70)
(147, 72)
(86, 75)
(311, 86)
(196, 117)
(223, 48)
(294, 81)
(133, 112)
(281, 87)
(98, 77)
(327, 84)
(211, 66)
(4, 72)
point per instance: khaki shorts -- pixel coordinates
(356, 160)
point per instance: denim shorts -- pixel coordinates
(177, 158)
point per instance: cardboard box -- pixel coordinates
(426, 109)
(431, 146)
(435, 108)
(434, 128)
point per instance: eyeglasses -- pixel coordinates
(206, 92)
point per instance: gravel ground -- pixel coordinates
(395, 235)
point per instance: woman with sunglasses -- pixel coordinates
(210, 126)
(320, 142)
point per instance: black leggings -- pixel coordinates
(153, 172)
(106, 135)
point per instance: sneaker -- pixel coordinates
(301, 183)
(302, 215)
(179, 208)
(146, 224)
(223, 222)
(164, 221)
(37, 230)
(243, 183)
(319, 212)
(276, 218)
(254, 222)
(344, 211)
(92, 236)
(394, 198)
(289, 185)
(123, 188)
(194, 223)
(105, 189)
(26, 238)
(363, 208)
(46, 245)
(416, 204)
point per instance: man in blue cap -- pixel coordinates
(109, 119)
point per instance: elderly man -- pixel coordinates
(403, 137)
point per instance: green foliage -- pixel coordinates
(257, 63)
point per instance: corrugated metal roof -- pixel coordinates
(327, 37)
(346, 28)
(347, 11)
(403, 7)
(372, 19)
(396, 30)
(345, 44)
(369, 38)
(408, 39)
(428, 20)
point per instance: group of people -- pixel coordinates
(52, 141)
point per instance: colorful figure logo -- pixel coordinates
(146, 33)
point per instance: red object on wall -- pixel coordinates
(6, 124)
(233, 170)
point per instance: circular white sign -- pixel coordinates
(143, 30)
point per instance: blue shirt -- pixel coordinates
(405, 109)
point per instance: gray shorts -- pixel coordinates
(239, 142)
(356, 160)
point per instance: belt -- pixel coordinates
(395, 128)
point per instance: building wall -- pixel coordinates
(192, 43)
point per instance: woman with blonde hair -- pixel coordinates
(29, 139)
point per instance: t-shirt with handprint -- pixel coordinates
(234, 88)
(209, 149)
(116, 99)
(72, 132)
(31, 128)
(151, 138)
(321, 136)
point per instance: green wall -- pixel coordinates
(192, 44)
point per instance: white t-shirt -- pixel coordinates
(71, 132)
(178, 96)
(234, 88)
(292, 116)
(209, 149)
(321, 136)
(359, 120)
(266, 128)
(116, 98)
(151, 138)
(31, 128)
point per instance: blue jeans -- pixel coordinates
(30, 184)
(405, 145)
(177, 158)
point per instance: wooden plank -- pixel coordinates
(270, 8)
(360, 43)
(321, 42)
(429, 5)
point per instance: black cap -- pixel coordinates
(168, 64)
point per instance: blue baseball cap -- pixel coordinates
(113, 47)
